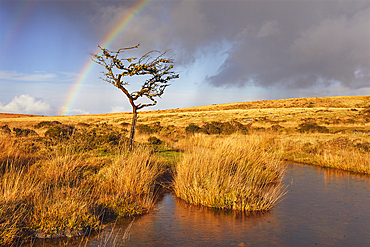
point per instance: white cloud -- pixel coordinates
(78, 111)
(118, 109)
(38, 76)
(26, 104)
(16, 76)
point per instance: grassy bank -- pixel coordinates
(339, 151)
(63, 191)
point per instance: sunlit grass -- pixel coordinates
(68, 193)
(228, 173)
(65, 185)
(338, 151)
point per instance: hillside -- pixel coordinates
(335, 112)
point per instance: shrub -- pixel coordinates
(156, 126)
(193, 128)
(363, 146)
(168, 130)
(154, 140)
(212, 127)
(83, 125)
(225, 128)
(47, 124)
(277, 127)
(60, 131)
(145, 129)
(105, 137)
(311, 128)
(24, 132)
(125, 125)
(149, 129)
(6, 129)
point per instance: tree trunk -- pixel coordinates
(132, 132)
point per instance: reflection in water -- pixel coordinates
(323, 207)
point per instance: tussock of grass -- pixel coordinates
(228, 173)
(130, 178)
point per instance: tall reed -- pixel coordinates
(234, 172)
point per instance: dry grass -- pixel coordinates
(340, 151)
(228, 173)
(129, 178)
(64, 186)
(287, 112)
(68, 193)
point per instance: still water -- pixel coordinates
(321, 208)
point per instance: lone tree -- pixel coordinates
(153, 64)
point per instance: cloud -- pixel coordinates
(78, 112)
(38, 76)
(336, 50)
(26, 104)
(333, 50)
(180, 26)
(268, 28)
(118, 109)
(16, 76)
(271, 44)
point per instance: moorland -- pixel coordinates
(68, 175)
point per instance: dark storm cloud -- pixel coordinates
(301, 45)
(291, 44)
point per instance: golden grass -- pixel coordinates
(51, 187)
(129, 177)
(340, 151)
(228, 173)
(68, 193)
(289, 110)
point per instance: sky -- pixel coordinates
(225, 51)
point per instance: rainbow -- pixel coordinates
(88, 67)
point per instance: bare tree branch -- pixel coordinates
(153, 63)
